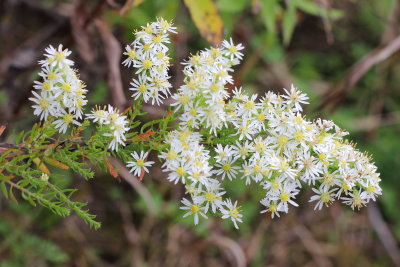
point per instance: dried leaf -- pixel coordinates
(41, 165)
(142, 136)
(2, 128)
(56, 163)
(111, 169)
(207, 19)
(141, 175)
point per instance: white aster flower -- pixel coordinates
(232, 212)
(194, 208)
(139, 164)
(324, 196)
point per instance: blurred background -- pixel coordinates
(344, 54)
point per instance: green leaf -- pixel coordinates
(231, 6)
(289, 22)
(4, 189)
(313, 8)
(268, 12)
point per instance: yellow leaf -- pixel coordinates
(41, 165)
(207, 19)
(56, 163)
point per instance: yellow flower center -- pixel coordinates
(345, 186)
(214, 88)
(160, 55)
(272, 207)
(142, 88)
(68, 118)
(325, 197)
(132, 54)
(298, 120)
(59, 56)
(46, 86)
(147, 64)
(194, 208)
(171, 155)
(157, 39)
(148, 29)
(249, 104)
(140, 162)
(180, 171)
(193, 112)
(371, 188)
(226, 167)
(44, 104)
(275, 185)
(261, 117)
(284, 197)
(51, 76)
(282, 140)
(298, 136)
(209, 196)
(184, 99)
(234, 213)
(66, 87)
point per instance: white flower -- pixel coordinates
(271, 206)
(57, 56)
(65, 120)
(232, 50)
(324, 196)
(231, 211)
(295, 98)
(194, 208)
(227, 168)
(213, 196)
(357, 199)
(131, 53)
(44, 177)
(141, 87)
(223, 153)
(139, 164)
(45, 105)
(99, 115)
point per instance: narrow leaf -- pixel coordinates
(289, 22)
(41, 165)
(110, 168)
(4, 189)
(56, 163)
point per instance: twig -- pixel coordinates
(233, 247)
(136, 184)
(113, 53)
(341, 89)
(384, 233)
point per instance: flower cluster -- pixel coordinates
(60, 93)
(148, 54)
(116, 124)
(264, 140)
(187, 161)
